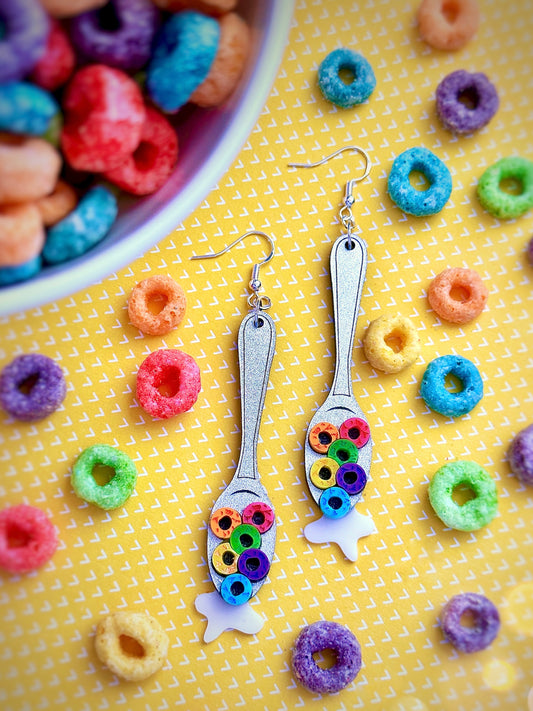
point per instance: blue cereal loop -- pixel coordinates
(408, 198)
(184, 51)
(26, 108)
(82, 228)
(438, 398)
(236, 589)
(332, 86)
(335, 502)
(20, 272)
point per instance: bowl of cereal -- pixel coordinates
(209, 137)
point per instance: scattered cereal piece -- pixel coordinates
(521, 455)
(466, 101)
(27, 538)
(391, 343)
(147, 639)
(168, 383)
(458, 295)
(473, 514)
(319, 637)
(407, 197)
(435, 393)
(485, 622)
(159, 288)
(335, 89)
(113, 493)
(499, 202)
(32, 386)
(448, 24)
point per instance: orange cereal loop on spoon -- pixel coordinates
(448, 24)
(157, 292)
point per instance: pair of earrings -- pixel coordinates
(338, 449)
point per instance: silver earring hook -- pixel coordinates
(345, 212)
(258, 303)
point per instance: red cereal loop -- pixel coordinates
(224, 521)
(27, 538)
(322, 435)
(448, 24)
(356, 430)
(458, 295)
(152, 162)
(157, 288)
(57, 63)
(260, 515)
(168, 383)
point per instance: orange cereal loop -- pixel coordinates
(224, 521)
(22, 234)
(58, 204)
(158, 290)
(458, 295)
(210, 7)
(228, 65)
(29, 168)
(68, 8)
(448, 24)
(322, 435)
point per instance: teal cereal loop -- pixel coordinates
(117, 490)
(236, 589)
(496, 200)
(332, 86)
(335, 502)
(407, 197)
(435, 393)
(475, 513)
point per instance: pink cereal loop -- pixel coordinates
(458, 295)
(448, 24)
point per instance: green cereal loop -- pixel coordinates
(117, 490)
(475, 513)
(502, 204)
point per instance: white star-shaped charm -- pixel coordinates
(222, 616)
(344, 531)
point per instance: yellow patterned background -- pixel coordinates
(150, 554)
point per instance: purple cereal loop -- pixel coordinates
(26, 27)
(32, 386)
(456, 115)
(254, 564)
(521, 456)
(318, 637)
(485, 619)
(352, 478)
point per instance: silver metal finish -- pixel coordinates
(256, 345)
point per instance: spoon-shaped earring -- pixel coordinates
(242, 528)
(338, 447)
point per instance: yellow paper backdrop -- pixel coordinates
(150, 554)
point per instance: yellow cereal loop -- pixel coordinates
(323, 472)
(225, 559)
(391, 343)
(132, 645)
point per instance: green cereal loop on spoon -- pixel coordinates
(117, 490)
(475, 513)
(500, 203)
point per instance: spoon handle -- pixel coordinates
(256, 343)
(348, 262)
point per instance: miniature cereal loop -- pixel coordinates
(113, 493)
(236, 589)
(322, 435)
(159, 288)
(407, 197)
(448, 24)
(458, 295)
(497, 201)
(245, 536)
(225, 559)
(228, 65)
(323, 472)
(342, 451)
(32, 386)
(168, 383)
(29, 168)
(356, 430)
(319, 637)
(224, 521)
(27, 538)
(484, 617)
(391, 343)
(466, 102)
(521, 455)
(335, 502)
(61, 202)
(333, 87)
(21, 233)
(116, 631)
(439, 398)
(474, 513)
(260, 515)
(254, 564)
(352, 478)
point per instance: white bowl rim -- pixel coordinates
(44, 289)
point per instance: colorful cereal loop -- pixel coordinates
(224, 559)
(356, 430)
(224, 521)
(254, 564)
(343, 450)
(260, 515)
(236, 589)
(244, 537)
(335, 502)
(322, 435)
(323, 472)
(352, 478)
